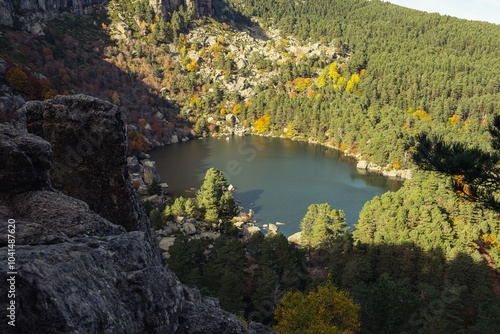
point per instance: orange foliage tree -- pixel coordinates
(16, 78)
(137, 144)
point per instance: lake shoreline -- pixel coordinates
(362, 165)
(276, 178)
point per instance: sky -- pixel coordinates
(481, 10)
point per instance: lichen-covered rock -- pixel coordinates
(25, 160)
(28, 10)
(61, 213)
(89, 142)
(205, 319)
(93, 285)
(149, 171)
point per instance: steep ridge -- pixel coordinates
(29, 10)
(77, 271)
(12, 11)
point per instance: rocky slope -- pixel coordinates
(29, 11)
(77, 272)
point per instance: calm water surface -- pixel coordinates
(277, 178)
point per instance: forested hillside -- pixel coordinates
(421, 72)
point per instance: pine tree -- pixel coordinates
(189, 208)
(177, 209)
(321, 224)
(155, 218)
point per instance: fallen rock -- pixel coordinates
(189, 228)
(249, 230)
(273, 228)
(164, 188)
(165, 243)
(149, 171)
(296, 239)
(362, 165)
(133, 165)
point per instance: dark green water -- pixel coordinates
(277, 178)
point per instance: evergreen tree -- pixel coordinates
(321, 224)
(154, 188)
(189, 208)
(213, 200)
(177, 209)
(155, 218)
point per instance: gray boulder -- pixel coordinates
(362, 164)
(133, 165)
(149, 171)
(165, 243)
(25, 160)
(189, 228)
(296, 239)
(273, 228)
(164, 188)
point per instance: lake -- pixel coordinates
(276, 178)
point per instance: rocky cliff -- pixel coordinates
(30, 10)
(89, 144)
(199, 7)
(77, 272)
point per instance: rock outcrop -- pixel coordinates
(77, 272)
(29, 11)
(198, 7)
(89, 143)
(42, 9)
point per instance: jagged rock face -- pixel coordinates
(46, 9)
(199, 7)
(89, 142)
(78, 272)
(25, 160)
(95, 286)
(43, 9)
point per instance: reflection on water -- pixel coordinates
(277, 178)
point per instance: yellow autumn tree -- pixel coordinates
(333, 74)
(301, 84)
(321, 82)
(350, 86)
(237, 109)
(454, 120)
(262, 123)
(192, 66)
(324, 311)
(421, 114)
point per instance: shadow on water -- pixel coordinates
(182, 166)
(277, 178)
(251, 197)
(377, 180)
